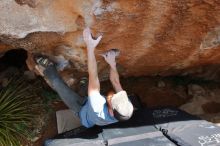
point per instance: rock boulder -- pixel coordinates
(154, 37)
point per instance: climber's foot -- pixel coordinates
(83, 86)
(43, 62)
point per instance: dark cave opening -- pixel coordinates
(13, 58)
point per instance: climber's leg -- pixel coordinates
(69, 97)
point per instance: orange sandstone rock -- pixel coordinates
(154, 37)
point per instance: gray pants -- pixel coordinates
(69, 97)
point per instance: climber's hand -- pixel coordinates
(90, 42)
(110, 56)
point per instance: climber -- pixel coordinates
(97, 110)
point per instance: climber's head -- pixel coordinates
(121, 106)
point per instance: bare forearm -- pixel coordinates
(92, 69)
(91, 44)
(92, 66)
(114, 78)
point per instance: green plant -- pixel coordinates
(48, 98)
(16, 104)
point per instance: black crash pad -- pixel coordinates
(150, 127)
(155, 138)
(138, 131)
(185, 129)
(78, 137)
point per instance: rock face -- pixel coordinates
(155, 37)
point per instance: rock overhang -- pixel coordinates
(154, 37)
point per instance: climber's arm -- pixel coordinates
(94, 85)
(114, 78)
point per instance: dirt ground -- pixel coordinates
(50, 129)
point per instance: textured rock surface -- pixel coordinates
(204, 102)
(154, 37)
